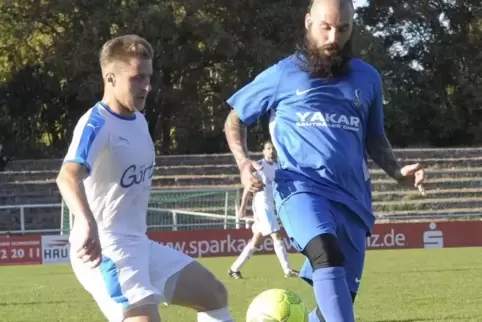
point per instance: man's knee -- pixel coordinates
(212, 294)
(256, 239)
(142, 313)
(199, 289)
(220, 294)
(324, 251)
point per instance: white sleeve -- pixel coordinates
(88, 141)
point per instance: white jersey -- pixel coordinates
(119, 154)
(264, 199)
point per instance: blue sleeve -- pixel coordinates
(258, 97)
(376, 126)
(87, 142)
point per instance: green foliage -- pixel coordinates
(427, 51)
(433, 80)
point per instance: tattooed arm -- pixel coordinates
(248, 105)
(236, 133)
(380, 150)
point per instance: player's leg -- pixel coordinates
(92, 281)
(306, 274)
(144, 313)
(197, 288)
(282, 254)
(352, 238)
(309, 220)
(183, 281)
(269, 226)
(121, 284)
(316, 316)
(250, 247)
(246, 254)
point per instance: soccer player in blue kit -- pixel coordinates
(326, 115)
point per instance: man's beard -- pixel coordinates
(314, 60)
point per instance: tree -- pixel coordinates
(205, 50)
(434, 91)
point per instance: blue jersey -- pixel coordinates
(319, 128)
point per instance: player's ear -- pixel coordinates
(307, 21)
(110, 77)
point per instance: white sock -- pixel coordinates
(313, 317)
(282, 254)
(243, 257)
(219, 315)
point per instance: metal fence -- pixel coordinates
(171, 210)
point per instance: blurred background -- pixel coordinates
(427, 51)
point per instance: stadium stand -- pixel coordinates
(453, 187)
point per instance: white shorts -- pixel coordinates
(265, 221)
(130, 275)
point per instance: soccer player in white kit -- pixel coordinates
(265, 220)
(106, 182)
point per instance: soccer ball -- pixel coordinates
(277, 305)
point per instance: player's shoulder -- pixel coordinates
(141, 118)
(93, 117)
(280, 65)
(358, 66)
(289, 62)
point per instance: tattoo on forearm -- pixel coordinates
(236, 133)
(381, 152)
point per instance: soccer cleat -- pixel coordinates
(292, 273)
(236, 275)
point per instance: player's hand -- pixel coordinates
(416, 174)
(87, 242)
(248, 177)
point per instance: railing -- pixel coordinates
(22, 208)
(225, 218)
(427, 217)
(173, 212)
(176, 225)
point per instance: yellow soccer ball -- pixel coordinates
(277, 305)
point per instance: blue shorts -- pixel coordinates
(305, 215)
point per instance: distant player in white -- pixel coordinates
(265, 220)
(106, 182)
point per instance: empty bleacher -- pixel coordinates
(453, 185)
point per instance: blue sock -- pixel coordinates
(332, 294)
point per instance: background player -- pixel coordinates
(106, 182)
(265, 219)
(326, 114)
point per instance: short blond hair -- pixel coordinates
(123, 48)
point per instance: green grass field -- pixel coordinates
(398, 285)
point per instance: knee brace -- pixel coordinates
(324, 251)
(353, 296)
